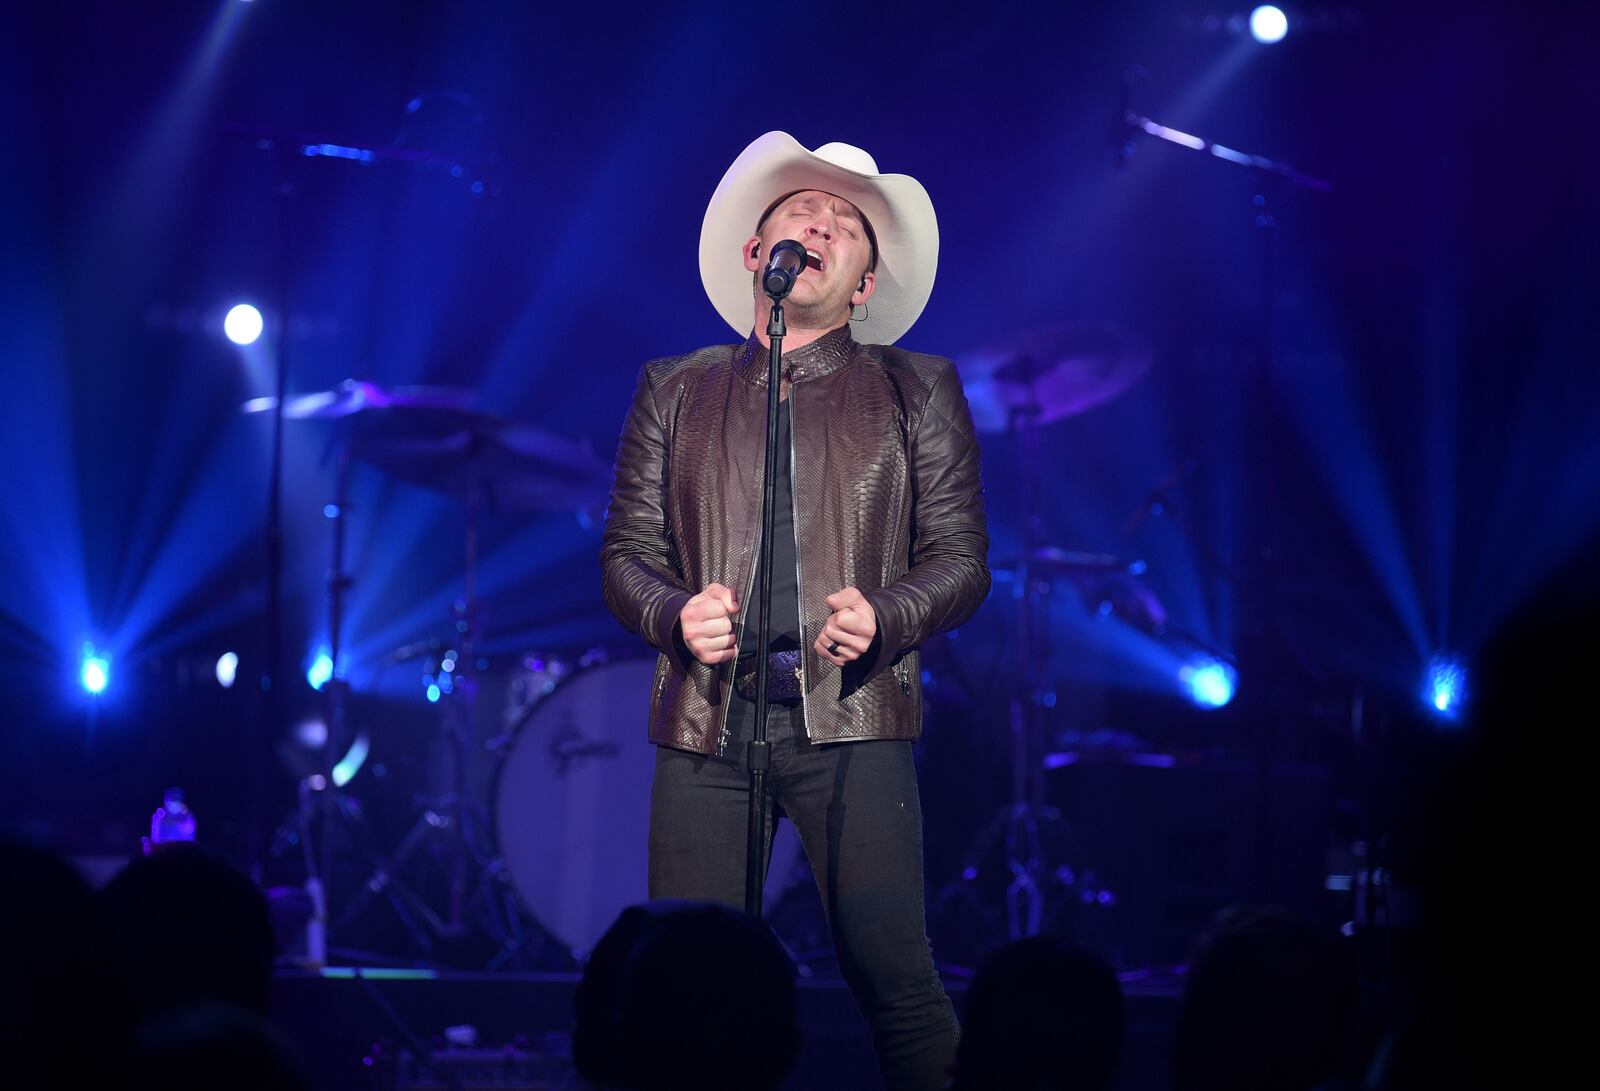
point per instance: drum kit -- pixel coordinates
(435, 438)
(1037, 378)
(562, 836)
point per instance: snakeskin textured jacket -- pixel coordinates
(887, 499)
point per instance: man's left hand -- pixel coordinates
(849, 629)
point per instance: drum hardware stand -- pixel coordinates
(272, 678)
(1024, 825)
(289, 153)
(320, 802)
(454, 817)
(1037, 376)
(1269, 637)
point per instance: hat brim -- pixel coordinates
(897, 206)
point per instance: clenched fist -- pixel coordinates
(707, 624)
(849, 630)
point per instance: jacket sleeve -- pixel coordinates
(949, 574)
(639, 575)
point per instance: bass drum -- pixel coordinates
(572, 805)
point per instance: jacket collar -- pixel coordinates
(825, 355)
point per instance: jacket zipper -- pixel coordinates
(744, 613)
(738, 640)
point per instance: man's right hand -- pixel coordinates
(707, 624)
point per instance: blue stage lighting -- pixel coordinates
(433, 693)
(320, 671)
(349, 765)
(1444, 686)
(95, 673)
(1268, 24)
(227, 669)
(1210, 683)
(311, 734)
(243, 324)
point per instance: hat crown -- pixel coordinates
(847, 156)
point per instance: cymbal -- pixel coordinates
(1110, 583)
(514, 467)
(431, 436)
(1053, 561)
(1050, 372)
(355, 395)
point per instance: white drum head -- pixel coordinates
(572, 805)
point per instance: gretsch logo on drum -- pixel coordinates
(568, 747)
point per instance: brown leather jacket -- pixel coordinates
(887, 499)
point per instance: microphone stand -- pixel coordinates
(759, 752)
(1268, 637)
(288, 151)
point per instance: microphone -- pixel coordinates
(784, 265)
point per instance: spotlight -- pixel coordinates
(95, 673)
(243, 324)
(349, 765)
(311, 734)
(1444, 686)
(1268, 24)
(1210, 683)
(320, 672)
(227, 669)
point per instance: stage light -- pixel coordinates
(227, 669)
(1210, 683)
(433, 693)
(320, 672)
(1444, 686)
(243, 324)
(311, 734)
(95, 673)
(1268, 24)
(349, 765)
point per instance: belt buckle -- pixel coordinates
(791, 675)
(784, 682)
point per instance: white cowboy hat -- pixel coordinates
(896, 205)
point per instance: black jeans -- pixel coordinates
(856, 809)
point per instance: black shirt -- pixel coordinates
(785, 590)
